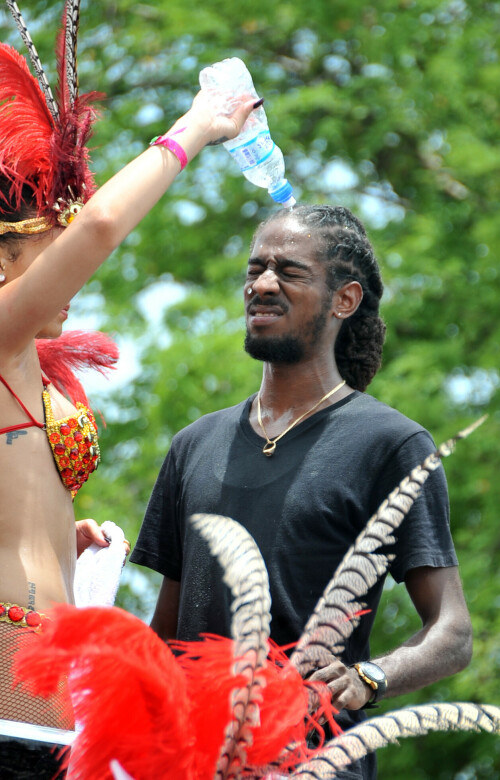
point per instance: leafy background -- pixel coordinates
(391, 109)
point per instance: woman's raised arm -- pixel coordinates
(58, 263)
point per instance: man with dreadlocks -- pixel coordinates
(304, 463)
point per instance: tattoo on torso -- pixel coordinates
(31, 595)
(11, 435)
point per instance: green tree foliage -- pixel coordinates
(391, 109)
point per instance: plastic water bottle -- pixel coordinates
(258, 157)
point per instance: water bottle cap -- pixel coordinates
(283, 194)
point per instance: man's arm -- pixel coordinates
(442, 647)
(166, 613)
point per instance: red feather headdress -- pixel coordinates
(44, 140)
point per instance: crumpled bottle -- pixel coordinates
(259, 158)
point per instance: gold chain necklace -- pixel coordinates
(270, 445)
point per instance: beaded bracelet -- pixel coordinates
(168, 142)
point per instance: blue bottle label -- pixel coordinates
(253, 152)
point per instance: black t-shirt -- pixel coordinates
(304, 506)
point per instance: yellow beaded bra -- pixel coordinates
(74, 444)
(73, 440)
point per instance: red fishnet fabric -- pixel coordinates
(15, 703)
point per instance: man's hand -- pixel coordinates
(347, 688)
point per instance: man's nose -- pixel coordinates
(267, 282)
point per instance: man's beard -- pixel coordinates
(277, 349)
(287, 349)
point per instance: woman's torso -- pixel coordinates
(38, 547)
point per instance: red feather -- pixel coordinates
(128, 692)
(207, 665)
(51, 156)
(73, 130)
(26, 127)
(283, 710)
(75, 350)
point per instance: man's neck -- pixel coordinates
(288, 391)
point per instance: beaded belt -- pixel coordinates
(19, 616)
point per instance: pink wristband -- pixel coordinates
(168, 142)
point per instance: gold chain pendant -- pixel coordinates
(270, 445)
(269, 448)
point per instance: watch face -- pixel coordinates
(372, 671)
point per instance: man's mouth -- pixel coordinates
(266, 313)
(262, 315)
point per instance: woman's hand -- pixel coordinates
(87, 533)
(215, 127)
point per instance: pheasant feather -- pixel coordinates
(245, 574)
(71, 23)
(35, 59)
(338, 611)
(386, 729)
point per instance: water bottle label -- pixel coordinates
(253, 152)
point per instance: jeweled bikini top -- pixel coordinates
(73, 440)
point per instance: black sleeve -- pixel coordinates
(424, 537)
(159, 545)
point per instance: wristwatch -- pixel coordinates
(374, 676)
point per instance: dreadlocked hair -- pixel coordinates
(348, 256)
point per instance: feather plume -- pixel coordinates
(338, 611)
(35, 59)
(131, 696)
(63, 54)
(259, 688)
(71, 23)
(280, 740)
(44, 143)
(266, 701)
(75, 350)
(245, 573)
(127, 689)
(26, 126)
(386, 729)
(209, 667)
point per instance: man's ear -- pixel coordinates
(346, 300)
